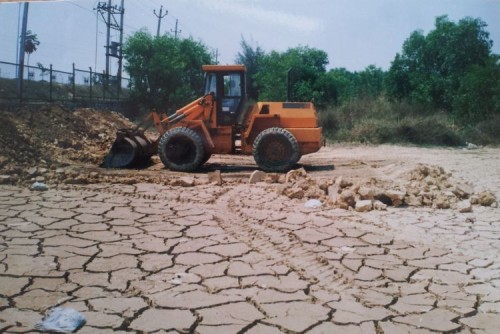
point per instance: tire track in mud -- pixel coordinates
(259, 234)
(270, 240)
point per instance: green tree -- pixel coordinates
(31, 43)
(478, 96)
(252, 58)
(165, 72)
(305, 65)
(430, 68)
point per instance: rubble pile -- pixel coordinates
(37, 140)
(424, 186)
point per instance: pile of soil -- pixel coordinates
(51, 136)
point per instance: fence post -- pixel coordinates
(90, 80)
(50, 84)
(74, 80)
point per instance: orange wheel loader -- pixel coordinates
(277, 134)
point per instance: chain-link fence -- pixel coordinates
(42, 83)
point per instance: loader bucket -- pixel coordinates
(129, 149)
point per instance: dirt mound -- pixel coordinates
(51, 136)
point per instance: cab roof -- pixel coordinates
(224, 68)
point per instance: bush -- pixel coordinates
(379, 121)
(484, 133)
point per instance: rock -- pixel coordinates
(441, 202)
(333, 192)
(396, 197)
(471, 146)
(348, 196)
(295, 174)
(314, 192)
(294, 192)
(185, 181)
(5, 179)
(32, 171)
(215, 177)
(379, 206)
(257, 176)
(464, 206)
(463, 191)
(40, 179)
(363, 206)
(280, 189)
(343, 183)
(413, 200)
(313, 204)
(38, 186)
(474, 199)
(272, 178)
(486, 198)
(366, 192)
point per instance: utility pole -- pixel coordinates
(176, 31)
(22, 43)
(120, 54)
(160, 16)
(216, 56)
(113, 49)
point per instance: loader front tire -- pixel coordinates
(276, 150)
(181, 149)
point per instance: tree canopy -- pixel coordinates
(431, 68)
(165, 72)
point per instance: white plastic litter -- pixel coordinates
(313, 204)
(39, 186)
(61, 320)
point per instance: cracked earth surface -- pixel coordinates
(240, 258)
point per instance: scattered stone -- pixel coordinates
(215, 178)
(184, 181)
(464, 206)
(396, 197)
(441, 202)
(471, 146)
(273, 178)
(5, 179)
(313, 204)
(486, 198)
(32, 171)
(257, 176)
(343, 183)
(349, 197)
(379, 206)
(294, 193)
(463, 190)
(366, 192)
(413, 200)
(364, 206)
(38, 186)
(295, 174)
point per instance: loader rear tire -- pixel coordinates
(276, 150)
(181, 149)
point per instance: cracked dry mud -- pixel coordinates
(240, 258)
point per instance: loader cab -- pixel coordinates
(228, 85)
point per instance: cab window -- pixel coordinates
(211, 84)
(232, 85)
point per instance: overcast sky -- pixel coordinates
(354, 33)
